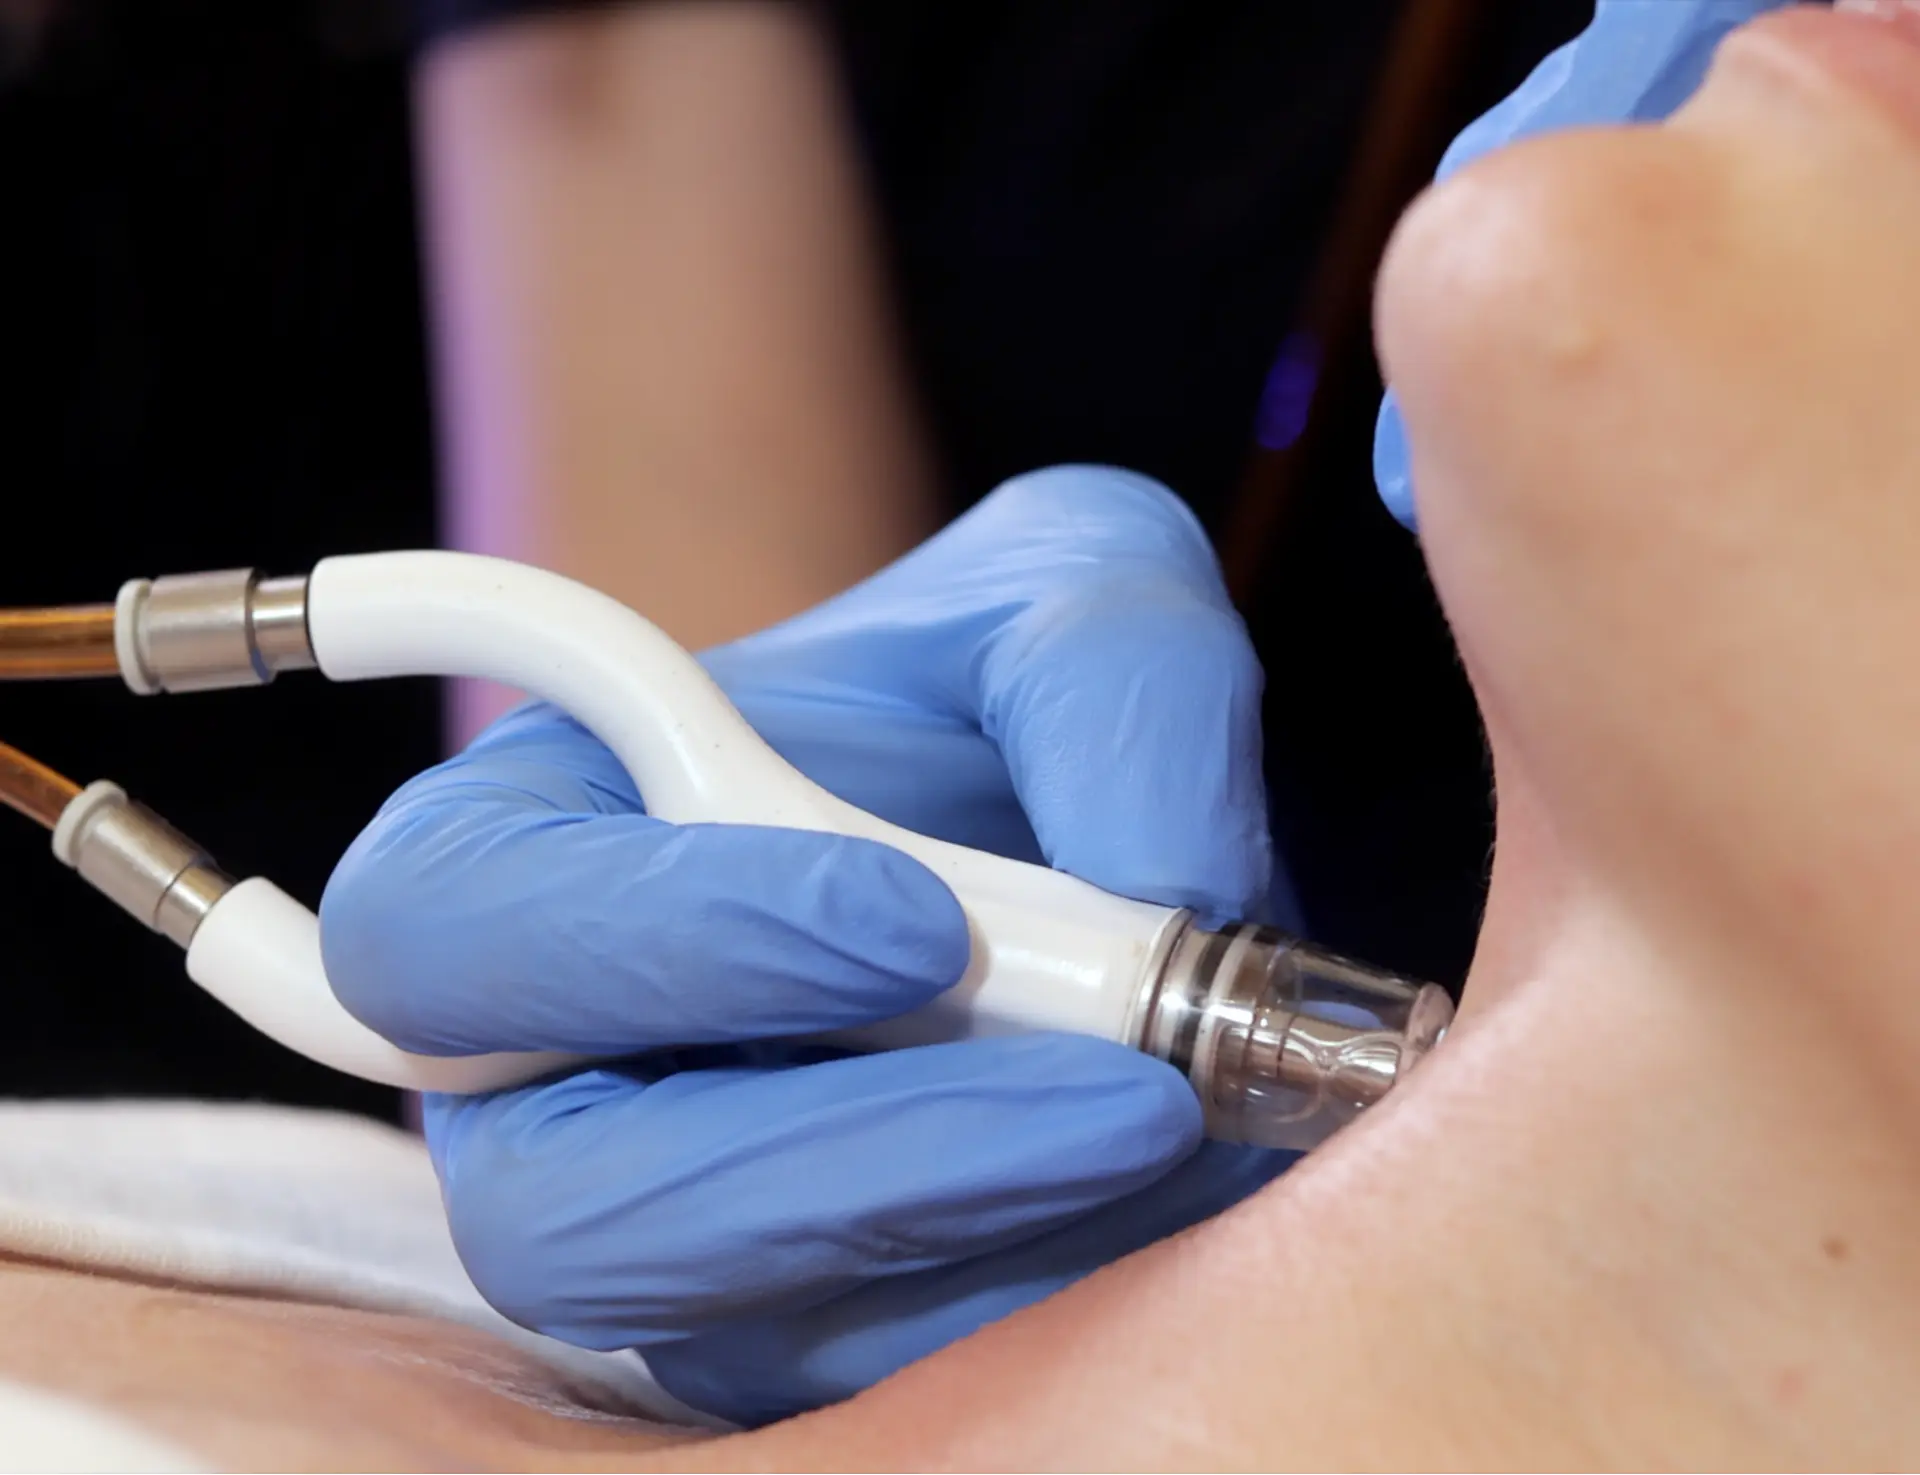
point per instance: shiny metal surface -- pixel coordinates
(188, 900)
(277, 621)
(192, 632)
(1284, 1042)
(1164, 1002)
(205, 632)
(148, 868)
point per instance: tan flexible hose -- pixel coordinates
(46, 644)
(32, 788)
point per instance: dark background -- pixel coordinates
(1104, 216)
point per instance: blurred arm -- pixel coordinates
(665, 361)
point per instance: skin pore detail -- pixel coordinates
(1652, 1202)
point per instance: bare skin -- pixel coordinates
(252, 1383)
(1652, 1205)
(667, 363)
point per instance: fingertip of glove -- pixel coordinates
(895, 914)
(362, 948)
(509, 1166)
(1391, 470)
(1110, 500)
(1073, 482)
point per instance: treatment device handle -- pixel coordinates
(1283, 1042)
(1049, 951)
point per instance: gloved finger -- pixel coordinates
(1393, 465)
(611, 1213)
(513, 899)
(755, 1371)
(927, 772)
(1126, 700)
(1076, 619)
(1637, 62)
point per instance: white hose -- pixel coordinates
(1049, 951)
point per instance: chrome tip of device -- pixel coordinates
(1285, 1042)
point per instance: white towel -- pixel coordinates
(309, 1205)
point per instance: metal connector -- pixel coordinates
(139, 861)
(205, 632)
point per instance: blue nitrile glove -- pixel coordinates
(1638, 62)
(1060, 675)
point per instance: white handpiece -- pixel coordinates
(1241, 1011)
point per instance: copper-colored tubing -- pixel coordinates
(45, 644)
(33, 788)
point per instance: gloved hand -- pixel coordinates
(1058, 675)
(1638, 62)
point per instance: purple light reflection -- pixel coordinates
(1288, 397)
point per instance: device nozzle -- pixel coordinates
(1285, 1042)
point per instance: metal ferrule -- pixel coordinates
(1166, 1021)
(205, 632)
(140, 862)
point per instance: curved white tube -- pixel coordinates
(1049, 951)
(258, 952)
(457, 614)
